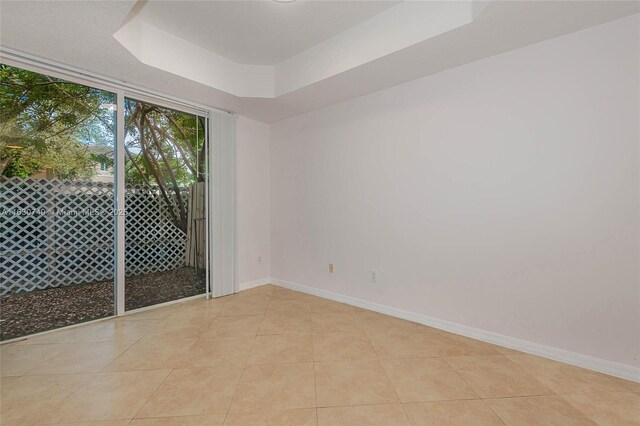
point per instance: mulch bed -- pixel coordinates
(27, 313)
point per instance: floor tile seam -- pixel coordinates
(395, 391)
(255, 336)
(473, 390)
(605, 391)
(532, 395)
(42, 362)
(504, 421)
(235, 391)
(538, 396)
(518, 367)
(462, 378)
(153, 392)
(77, 373)
(315, 381)
(102, 370)
(69, 395)
(578, 408)
(372, 404)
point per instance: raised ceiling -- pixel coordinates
(389, 31)
(259, 32)
(371, 54)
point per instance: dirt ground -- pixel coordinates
(27, 313)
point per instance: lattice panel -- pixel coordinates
(58, 232)
(153, 242)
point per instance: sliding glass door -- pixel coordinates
(102, 203)
(57, 141)
(165, 228)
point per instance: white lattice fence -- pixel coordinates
(57, 232)
(153, 242)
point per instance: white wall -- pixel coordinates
(502, 195)
(253, 201)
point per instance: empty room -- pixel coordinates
(319, 212)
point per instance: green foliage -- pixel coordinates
(17, 165)
(105, 159)
(50, 123)
(164, 143)
(68, 128)
(164, 148)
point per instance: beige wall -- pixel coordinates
(253, 200)
(502, 195)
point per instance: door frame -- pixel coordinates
(123, 89)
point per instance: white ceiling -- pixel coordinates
(80, 34)
(396, 28)
(258, 32)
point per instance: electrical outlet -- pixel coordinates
(331, 268)
(373, 276)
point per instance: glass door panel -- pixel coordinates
(57, 198)
(165, 226)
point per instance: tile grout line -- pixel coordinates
(484, 400)
(315, 382)
(386, 373)
(379, 359)
(154, 391)
(102, 370)
(72, 392)
(474, 391)
(244, 367)
(578, 409)
(246, 364)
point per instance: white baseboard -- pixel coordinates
(251, 284)
(603, 366)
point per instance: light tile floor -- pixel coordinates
(272, 356)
